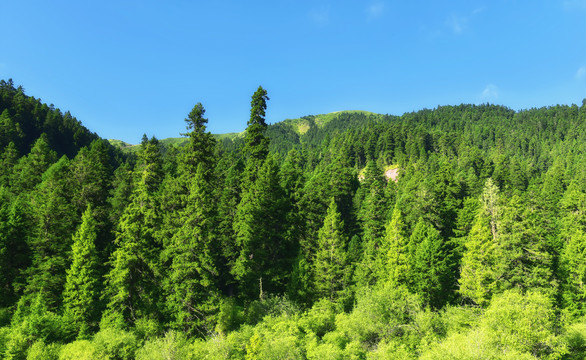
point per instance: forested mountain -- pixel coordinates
(288, 242)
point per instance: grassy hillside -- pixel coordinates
(174, 141)
(303, 124)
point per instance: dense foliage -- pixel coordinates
(290, 242)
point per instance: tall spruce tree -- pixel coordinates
(82, 284)
(573, 255)
(372, 220)
(193, 252)
(29, 170)
(256, 144)
(478, 270)
(55, 222)
(133, 282)
(393, 265)
(329, 268)
(265, 255)
(15, 224)
(429, 264)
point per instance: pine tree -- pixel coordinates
(227, 208)
(524, 260)
(478, 273)
(8, 160)
(29, 170)
(259, 226)
(372, 217)
(14, 249)
(50, 243)
(190, 283)
(256, 144)
(428, 264)
(91, 177)
(329, 268)
(80, 298)
(573, 255)
(393, 265)
(200, 147)
(132, 284)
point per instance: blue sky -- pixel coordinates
(125, 68)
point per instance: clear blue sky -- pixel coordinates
(125, 68)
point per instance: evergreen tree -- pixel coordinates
(91, 177)
(395, 267)
(29, 170)
(256, 144)
(264, 254)
(80, 298)
(478, 271)
(55, 222)
(14, 250)
(8, 160)
(200, 147)
(524, 260)
(428, 264)
(133, 282)
(573, 256)
(329, 268)
(372, 217)
(227, 208)
(190, 283)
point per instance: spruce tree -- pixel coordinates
(393, 264)
(372, 219)
(428, 264)
(133, 282)
(50, 243)
(478, 270)
(229, 199)
(264, 253)
(81, 295)
(256, 144)
(15, 222)
(329, 268)
(191, 280)
(8, 160)
(29, 170)
(573, 255)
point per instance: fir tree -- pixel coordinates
(478, 273)
(256, 144)
(329, 268)
(393, 265)
(29, 169)
(132, 284)
(191, 280)
(259, 225)
(50, 243)
(80, 298)
(428, 268)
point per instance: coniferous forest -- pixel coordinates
(452, 233)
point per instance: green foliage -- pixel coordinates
(256, 143)
(264, 253)
(329, 274)
(478, 274)
(198, 241)
(428, 268)
(41, 351)
(173, 346)
(81, 293)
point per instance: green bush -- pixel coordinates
(41, 351)
(173, 346)
(80, 350)
(115, 344)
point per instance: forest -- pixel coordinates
(289, 242)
